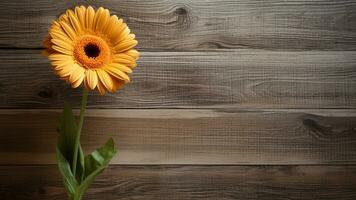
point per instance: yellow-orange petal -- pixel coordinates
(60, 63)
(68, 30)
(125, 45)
(80, 13)
(125, 56)
(64, 17)
(91, 78)
(121, 67)
(62, 50)
(67, 70)
(61, 36)
(113, 23)
(133, 65)
(133, 53)
(75, 22)
(59, 57)
(114, 33)
(118, 84)
(62, 44)
(90, 13)
(55, 24)
(105, 79)
(86, 85)
(101, 18)
(117, 73)
(78, 82)
(122, 35)
(123, 61)
(101, 88)
(77, 74)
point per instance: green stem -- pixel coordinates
(80, 125)
(76, 196)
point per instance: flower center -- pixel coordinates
(92, 51)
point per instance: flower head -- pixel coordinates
(93, 47)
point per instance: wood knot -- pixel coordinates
(183, 18)
(45, 94)
(181, 11)
(41, 190)
(330, 127)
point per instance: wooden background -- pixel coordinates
(232, 99)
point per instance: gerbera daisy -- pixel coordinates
(93, 47)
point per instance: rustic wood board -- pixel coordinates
(239, 79)
(232, 99)
(188, 136)
(188, 182)
(194, 25)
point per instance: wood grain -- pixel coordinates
(188, 25)
(188, 136)
(239, 79)
(188, 182)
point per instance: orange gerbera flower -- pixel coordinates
(93, 47)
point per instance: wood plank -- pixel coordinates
(188, 182)
(188, 136)
(239, 79)
(200, 24)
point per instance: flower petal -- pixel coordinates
(101, 88)
(121, 67)
(60, 35)
(76, 75)
(59, 57)
(117, 84)
(123, 58)
(62, 44)
(90, 13)
(80, 13)
(62, 50)
(59, 63)
(122, 35)
(69, 30)
(64, 17)
(67, 69)
(117, 73)
(91, 78)
(113, 23)
(78, 82)
(101, 18)
(105, 79)
(133, 53)
(125, 45)
(74, 21)
(133, 65)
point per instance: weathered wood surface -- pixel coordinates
(193, 25)
(188, 182)
(234, 99)
(239, 79)
(168, 136)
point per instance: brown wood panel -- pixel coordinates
(188, 136)
(239, 79)
(188, 182)
(195, 25)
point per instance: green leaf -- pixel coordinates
(70, 182)
(96, 162)
(67, 130)
(88, 167)
(80, 165)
